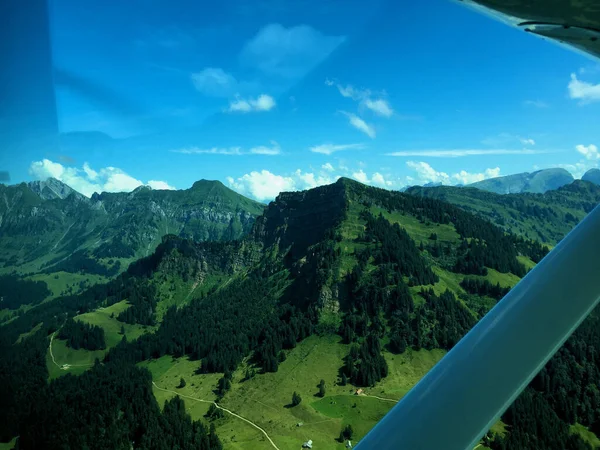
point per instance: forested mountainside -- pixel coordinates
(46, 226)
(310, 327)
(546, 217)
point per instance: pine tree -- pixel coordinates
(296, 399)
(344, 381)
(181, 383)
(322, 388)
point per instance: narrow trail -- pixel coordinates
(192, 289)
(52, 354)
(380, 398)
(64, 366)
(220, 407)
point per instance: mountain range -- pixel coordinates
(47, 226)
(535, 182)
(323, 292)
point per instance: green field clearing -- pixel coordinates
(112, 327)
(586, 435)
(526, 261)
(8, 445)
(419, 231)
(80, 360)
(59, 282)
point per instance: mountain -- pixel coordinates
(536, 182)
(544, 217)
(334, 289)
(592, 175)
(51, 189)
(47, 226)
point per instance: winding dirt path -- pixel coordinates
(380, 398)
(50, 348)
(220, 407)
(64, 366)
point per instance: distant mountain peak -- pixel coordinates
(51, 188)
(539, 182)
(592, 175)
(203, 183)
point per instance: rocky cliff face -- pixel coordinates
(52, 188)
(301, 219)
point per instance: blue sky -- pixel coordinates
(268, 96)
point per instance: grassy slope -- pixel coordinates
(80, 360)
(8, 445)
(59, 282)
(264, 398)
(501, 209)
(172, 291)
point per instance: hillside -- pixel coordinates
(46, 227)
(536, 182)
(337, 288)
(544, 217)
(592, 175)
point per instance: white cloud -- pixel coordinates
(328, 149)
(87, 180)
(376, 179)
(464, 177)
(215, 82)
(505, 139)
(161, 185)
(262, 185)
(584, 91)
(210, 151)
(91, 174)
(46, 169)
(328, 167)
(360, 124)
(379, 180)
(590, 161)
(536, 103)
(288, 52)
(427, 174)
(379, 106)
(262, 103)
(360, 176)
(590, 151)
(264, 150)
(527, 141)
(273, 150)
(265, 185)
(458, 153)
(579, 168)
(350, 91)
(118, 181)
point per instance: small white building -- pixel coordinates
(349, 444)
(307, 444)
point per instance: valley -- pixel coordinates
(362, 288)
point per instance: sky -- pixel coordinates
(270, 95)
